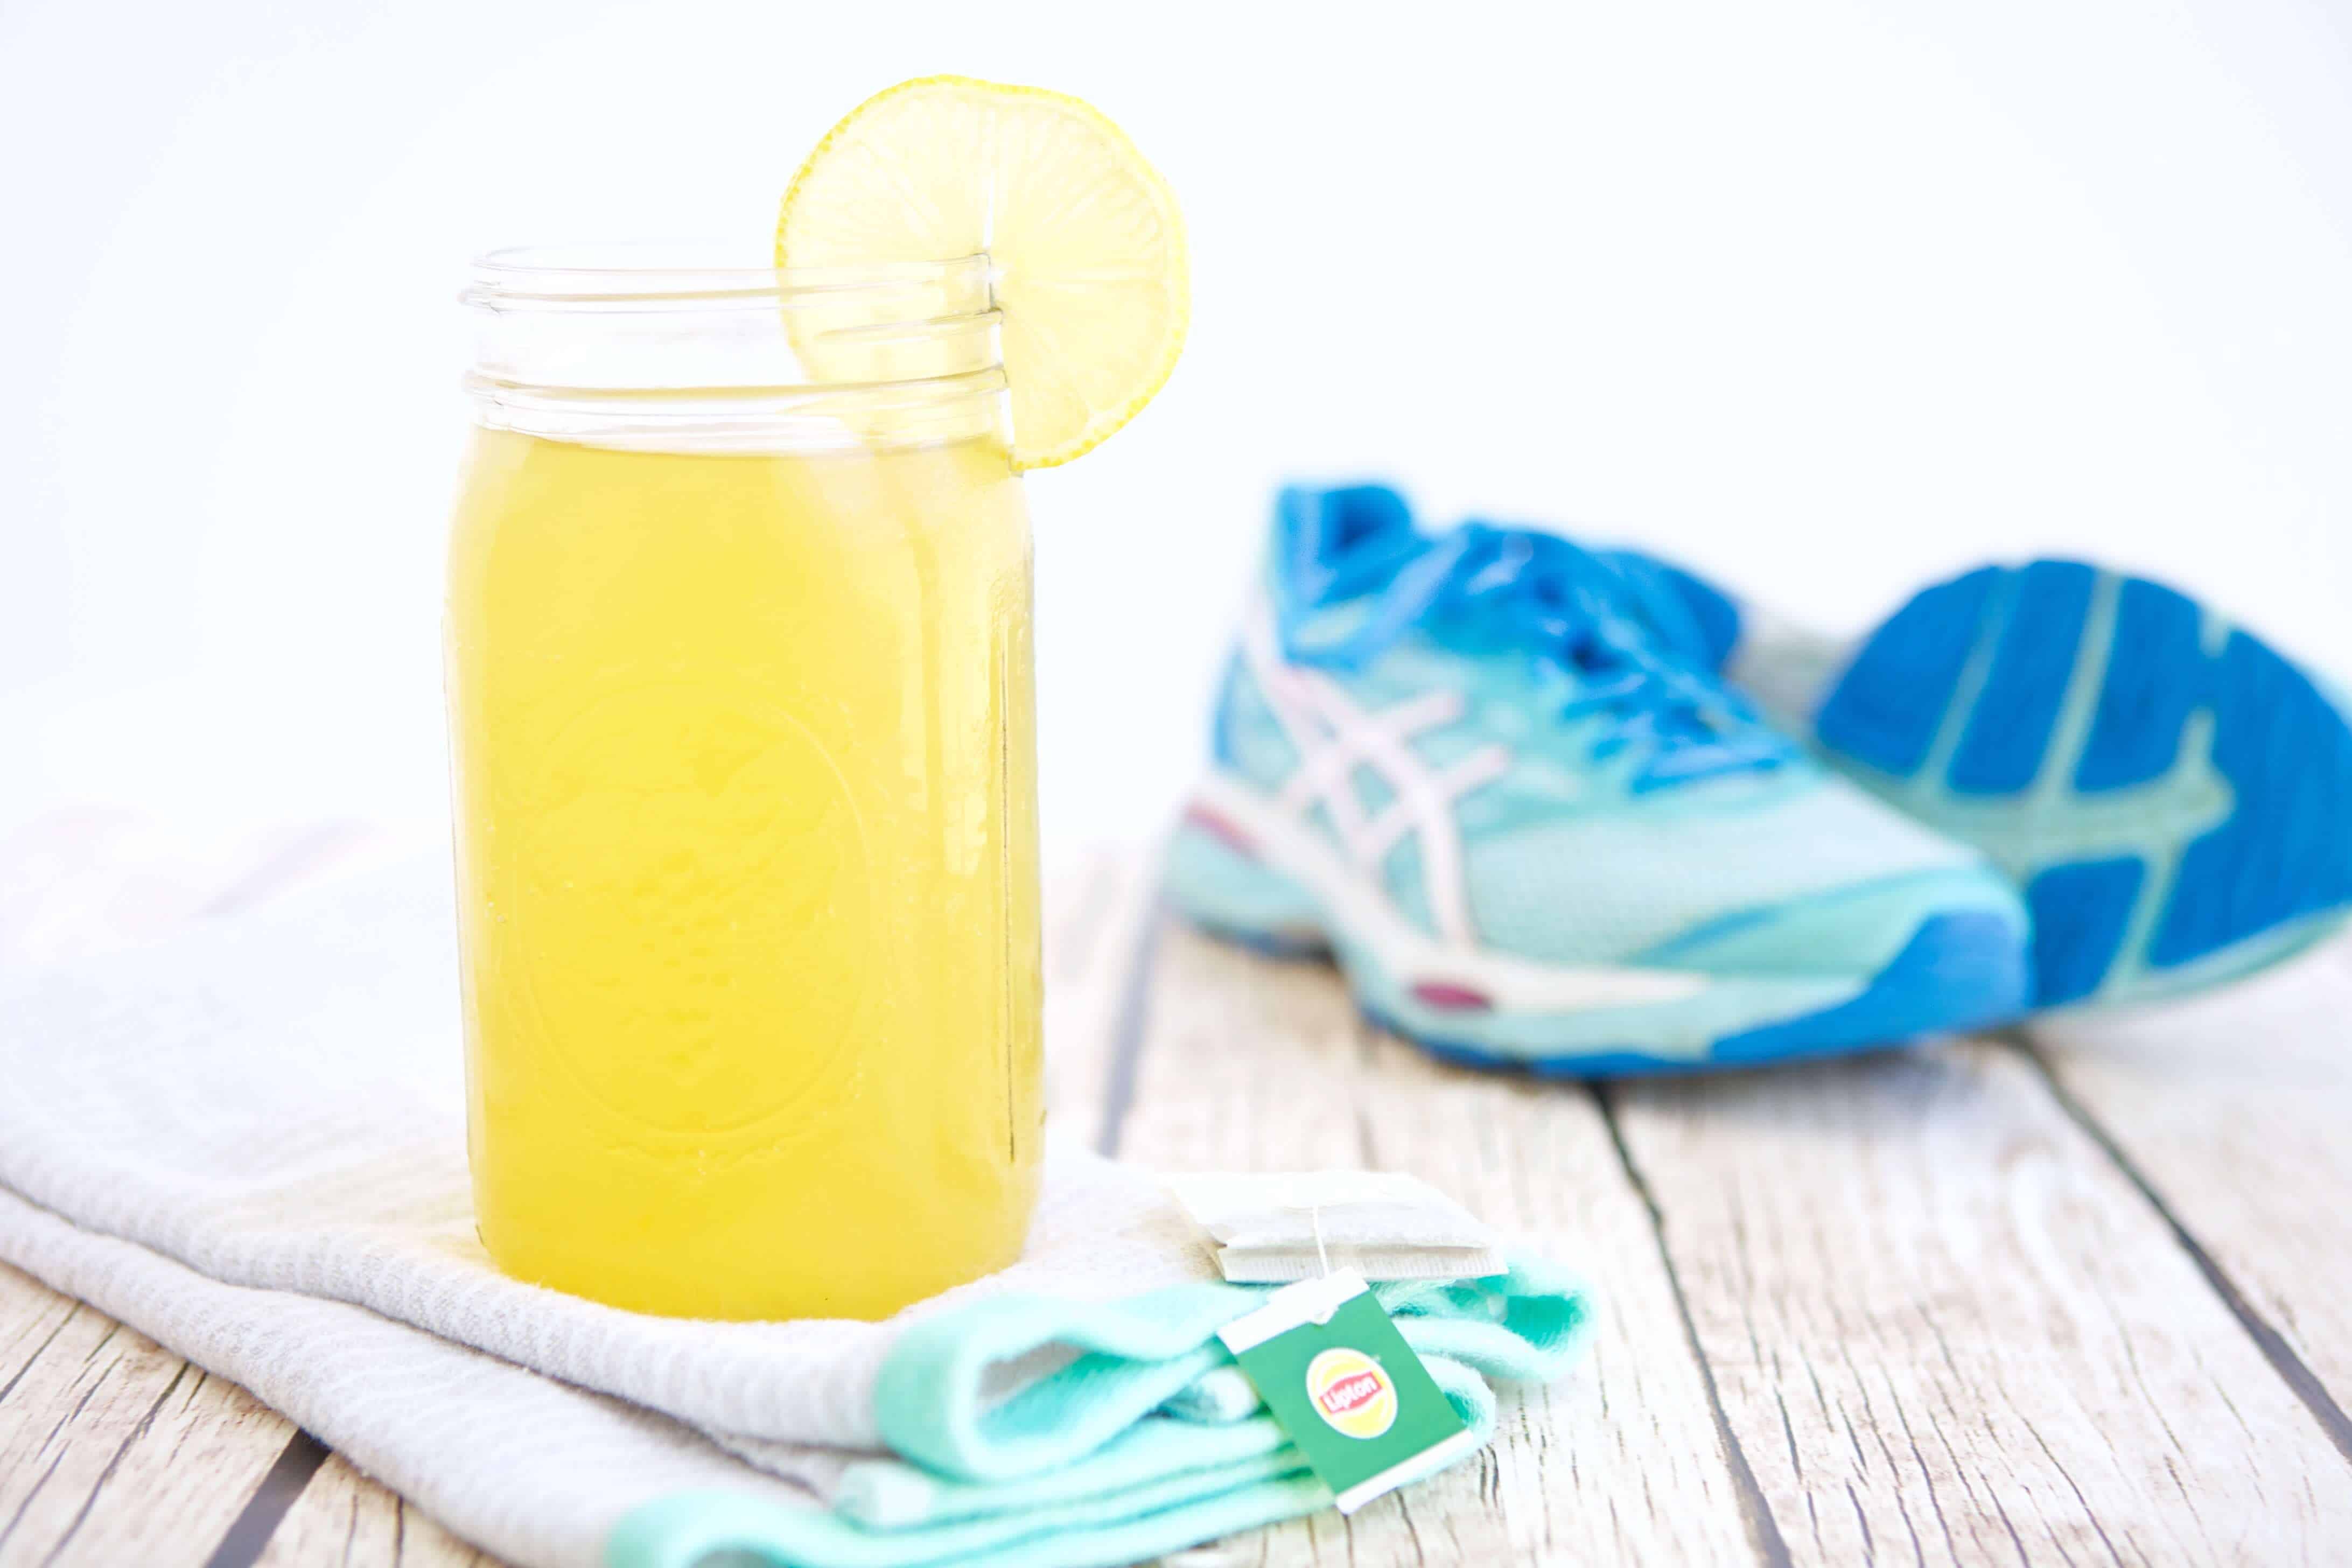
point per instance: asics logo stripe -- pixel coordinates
(1334, 736)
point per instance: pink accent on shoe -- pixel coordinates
(1448, 997)
(1221, 829)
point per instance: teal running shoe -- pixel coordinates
(1532, 834)
(2173, 796)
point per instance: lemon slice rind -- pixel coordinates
(1085, 236)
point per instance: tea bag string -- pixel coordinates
(1322, 1257)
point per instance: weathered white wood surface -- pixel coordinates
(2235, 1112)
(1944, 1328)
(111, 1449)
(2083, 1300)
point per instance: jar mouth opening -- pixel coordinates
(694, 271)
(688, 345)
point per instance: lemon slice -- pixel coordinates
(1086, 241)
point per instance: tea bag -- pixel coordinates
(1276, 1228)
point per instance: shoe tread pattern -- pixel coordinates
(2164, 787)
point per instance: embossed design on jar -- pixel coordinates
(693, 906)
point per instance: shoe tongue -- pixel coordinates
(1547, 575)
(1694, 620)
(1336, 545)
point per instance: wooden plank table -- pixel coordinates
(2082, 1297)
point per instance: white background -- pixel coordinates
(1832, 298)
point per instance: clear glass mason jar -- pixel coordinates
(743, 721)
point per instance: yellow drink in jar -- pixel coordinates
(743, 713)
(748, 869)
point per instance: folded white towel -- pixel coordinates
(279, 1102)
(247, 1143)
(534, 1469)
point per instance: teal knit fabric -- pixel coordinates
(1145, 1441)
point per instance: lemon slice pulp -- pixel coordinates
(1085, 242)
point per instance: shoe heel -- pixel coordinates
(1215, 879)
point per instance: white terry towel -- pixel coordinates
(279, 1102)
(247, 1143)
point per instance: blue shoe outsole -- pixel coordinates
(1958, 972)
(2173, 797)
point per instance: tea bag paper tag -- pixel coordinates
(1342, 1384)
(1275, 1227)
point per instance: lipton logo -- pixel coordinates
(1353, 1393)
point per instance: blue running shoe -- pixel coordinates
(1532, 835)
(2173, 796)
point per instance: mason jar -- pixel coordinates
(742, 718)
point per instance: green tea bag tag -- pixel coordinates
(1342, 1383)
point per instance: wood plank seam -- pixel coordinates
(1756, 1512)
(2291, 1368)
(1134, 1013)
(248, 1536)
(343, 1517)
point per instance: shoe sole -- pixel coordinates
(2173, 797)
(1958, 971)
